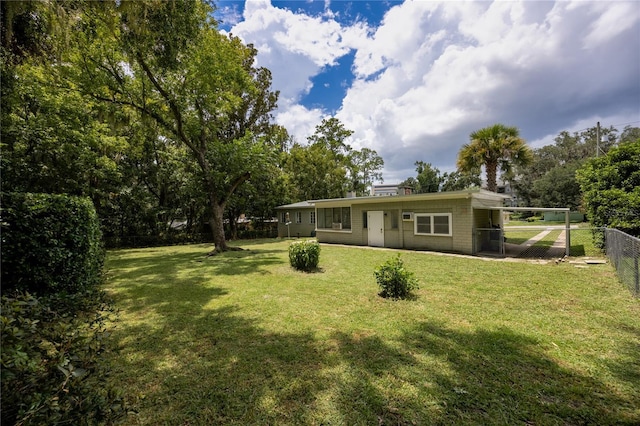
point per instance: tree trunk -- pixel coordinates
(217, 226)
(492, 170)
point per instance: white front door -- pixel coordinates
(375, 225)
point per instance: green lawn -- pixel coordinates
(521, 236)
(581, 240)
(241, 338)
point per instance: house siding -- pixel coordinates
(304, 229)
(402, 235)
(461, 225)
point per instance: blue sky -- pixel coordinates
(412, 79)
(330, 85)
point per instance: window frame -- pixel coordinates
(312, 218)
(330, 214)
(449, 217)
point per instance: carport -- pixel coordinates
(495, 234)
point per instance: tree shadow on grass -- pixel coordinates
(436, 375)
(217, 367)
(159, 266)
(627, 365)
(187, 363)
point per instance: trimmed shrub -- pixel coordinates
(304, 255)
(50, 243)
(394, 280)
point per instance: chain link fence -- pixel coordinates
(624, 251)
(586, 242)
(540, 242)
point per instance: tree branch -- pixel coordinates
(175, 110)
(239, 181)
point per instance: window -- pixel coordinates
(364, 220)
(283, 217)
(334, 218)
(312, 217)
(423, 224)
(298, 217)
(346, 218)
(432, 224)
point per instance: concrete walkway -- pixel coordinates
(529, 249)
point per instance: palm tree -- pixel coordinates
(494, 146)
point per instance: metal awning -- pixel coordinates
(532, 209)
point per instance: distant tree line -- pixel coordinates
(558, 175)
(550, 179)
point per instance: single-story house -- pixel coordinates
(297, 220)
(456, 221)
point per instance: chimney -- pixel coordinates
(405, 190)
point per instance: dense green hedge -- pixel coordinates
(611, 188)
(52, 372)
(50, 243)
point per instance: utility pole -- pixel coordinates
(598, 139)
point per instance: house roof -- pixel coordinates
(477, 194)
(300, 205)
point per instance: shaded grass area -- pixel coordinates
(241, 338)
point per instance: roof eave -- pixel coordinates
(450, 195)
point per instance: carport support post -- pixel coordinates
(567, 225)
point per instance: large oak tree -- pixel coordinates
(167, 62)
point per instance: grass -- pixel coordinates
(242, 338)
(582, 243)
(521, 236)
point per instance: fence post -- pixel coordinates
(636, 254)
(567, 224)
(637, 274)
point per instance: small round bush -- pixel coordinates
(394, 280)
(304, 255)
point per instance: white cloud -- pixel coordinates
(432, 72)
(618, 121)
(295, 47)
(613, 19)
(447, 69)
(299, 121)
